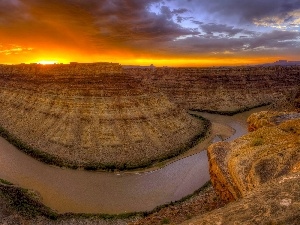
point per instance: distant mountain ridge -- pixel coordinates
(282, 63)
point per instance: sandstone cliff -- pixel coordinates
(75, 118)
(224, 89)
(269, 118)
(244, 164)
(259, 172)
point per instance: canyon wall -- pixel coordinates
(81, 112)
(60, 70)
(96, 121)
(223, 89)
(258, 173)
(240, 166)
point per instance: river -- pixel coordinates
(77, 191)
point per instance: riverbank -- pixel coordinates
(20, 206)
(232, 112)
(101, 129)
(150, 165)
(100, 192)
(182, 172)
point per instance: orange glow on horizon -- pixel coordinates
(47, 62)
(159, 62)
(49, 32)
(52, 55)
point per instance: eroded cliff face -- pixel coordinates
(258, 173)
(238, 167)
(73, 117)
(269, 118)
(224, 89)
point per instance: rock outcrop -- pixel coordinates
(75, 118)
(238, 167)
(258, 172)
(269, 118)
(275, 202)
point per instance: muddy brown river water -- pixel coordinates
(67, 190)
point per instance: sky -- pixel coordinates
(144, 32)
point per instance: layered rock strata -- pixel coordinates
(224, 90)
(96, 121)
(238, 167)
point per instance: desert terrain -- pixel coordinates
(108, 118)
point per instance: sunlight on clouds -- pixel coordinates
(290, 20)
(182, 37)
(13, 49)
(159, 32)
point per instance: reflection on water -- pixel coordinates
(68, 190)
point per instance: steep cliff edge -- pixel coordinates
(269, 152)
(225, 90)
(259, 173)
(91, 116)
(275, 202)
(269, 118)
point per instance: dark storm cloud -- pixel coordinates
(103, 24)
(180, 11)
(165, 10)
(180, 19)
(131, 20)
(276, 39)
(150, 27)
(11, 11)
(197, 22)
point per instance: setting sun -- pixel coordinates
(47, 62)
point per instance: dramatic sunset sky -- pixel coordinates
(162, 32)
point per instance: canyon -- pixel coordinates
(106, 117)
(224, 90)
(90, 120)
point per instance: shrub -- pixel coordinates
(165, 221)
(257, 141)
